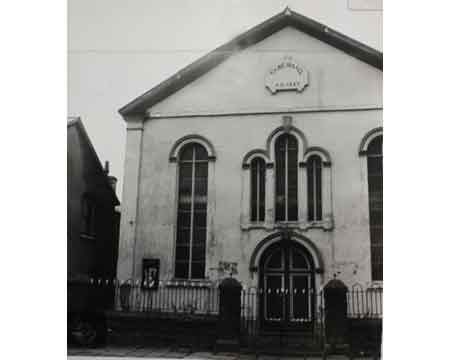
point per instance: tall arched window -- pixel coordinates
(375, 178)
(286, 168)
(258, 189)
(314, 175)
(192, 211)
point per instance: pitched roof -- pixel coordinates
(75, 121)
(254, 35)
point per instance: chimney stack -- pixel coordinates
(111, 179)
(106, 168)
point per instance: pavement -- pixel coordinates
(133, 353)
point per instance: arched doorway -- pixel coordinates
(287, 287)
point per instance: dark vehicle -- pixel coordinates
(87, 302)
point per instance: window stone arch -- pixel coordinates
(295, 236)
(292, 130)
(367, 139)
(193, 138)
(254, 154)
(317, 150)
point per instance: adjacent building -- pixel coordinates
(92, 220)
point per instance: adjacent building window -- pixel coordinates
(192, 211)
(88, 216)
(258, 189)
(375, 177)
(286, 169)
(314, 175)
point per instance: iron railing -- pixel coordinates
(250, 309)
(175, 297)
(203, 298)
(361, 303)
(365, 303)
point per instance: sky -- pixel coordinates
(119, 49)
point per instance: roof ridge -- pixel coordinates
(255, 34)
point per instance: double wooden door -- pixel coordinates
(286, 287)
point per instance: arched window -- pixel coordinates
(258, 189)
(314, 176)
(286, 169)
(375, 178)
(192, 211)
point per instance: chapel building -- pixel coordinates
(264, 159)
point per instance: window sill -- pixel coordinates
(255, 225)
(325, 225)
(186, 283)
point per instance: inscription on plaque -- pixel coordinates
(285, 76)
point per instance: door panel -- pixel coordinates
(287, 287)
(274, 298)
(300, 293)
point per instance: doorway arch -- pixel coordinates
(287, 286)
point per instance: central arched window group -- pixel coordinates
(288, 197)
